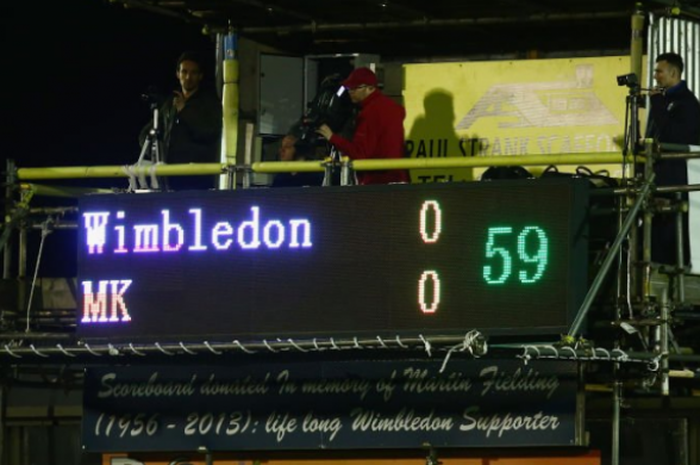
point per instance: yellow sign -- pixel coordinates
(527, 107)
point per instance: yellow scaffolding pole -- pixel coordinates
(118, 171)
(637, 42)
(453, 162)
(74, 172)
(483, 162)
(230, 97)
(288, 166)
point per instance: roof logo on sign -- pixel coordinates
(543, 104)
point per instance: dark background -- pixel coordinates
(74, 72)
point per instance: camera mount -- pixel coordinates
(152, 151)
(634, 101)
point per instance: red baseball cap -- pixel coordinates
(359, 77)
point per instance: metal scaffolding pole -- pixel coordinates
(609, 258)
(616, 420)
(6, 235)
(3, 421)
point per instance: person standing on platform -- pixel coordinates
(191, 121)
(674, 118)
(379, 131)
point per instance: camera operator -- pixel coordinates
(191, 121)
(674, 117)
(379, 129)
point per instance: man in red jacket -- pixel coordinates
(378, 131)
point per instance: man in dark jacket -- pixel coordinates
(191, 125)
(674, 117)
(379, 129)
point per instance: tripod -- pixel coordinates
(152, 154)
(346, 176)
(631, 137)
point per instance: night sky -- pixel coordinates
(75, 74)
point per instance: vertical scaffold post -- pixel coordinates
(648, 219)
(10, 179)
(230, 99)
(3, 412)
(665, 317)
(680, 246)
(616, 423)
(637, 42)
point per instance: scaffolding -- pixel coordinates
(642, 312)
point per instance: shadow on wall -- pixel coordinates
(433, 135)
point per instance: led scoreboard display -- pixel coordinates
(503, 257)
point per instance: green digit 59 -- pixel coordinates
(499, 244)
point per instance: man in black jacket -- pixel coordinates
(674, 118)
(191, 124)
